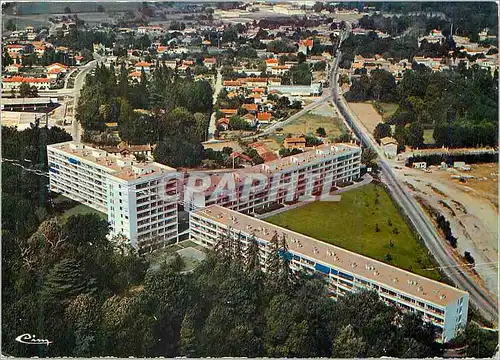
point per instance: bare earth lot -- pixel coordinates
(367, 114)
(470, 207)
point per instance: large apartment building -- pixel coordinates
(444, 306)
(283, 180)
(139, 198)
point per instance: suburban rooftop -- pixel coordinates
(350, 262)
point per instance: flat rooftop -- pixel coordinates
(122, 167)
(384, 274)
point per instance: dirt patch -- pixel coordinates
(219, 146)
(367, 114)
(471, 209)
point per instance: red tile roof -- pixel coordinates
(250, 107)
(229, 111)
(57, 64)
(27, 80)
(143, 64)
(264, 116)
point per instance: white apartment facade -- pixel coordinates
(139, 198)
(288, 179)
(444, 306)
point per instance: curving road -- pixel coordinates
(478, 296)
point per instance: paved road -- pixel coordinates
(76, 128)
(213, 126)
(478, 296)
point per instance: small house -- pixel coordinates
(389, 146)
(297, 143)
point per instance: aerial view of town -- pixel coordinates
(258, 178)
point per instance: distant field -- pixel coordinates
(351, 223)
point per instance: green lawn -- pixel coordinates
(428, 139)
(351, 224)
(389, 109)
(82, 210)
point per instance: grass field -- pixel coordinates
(82, 210)
(428, 139)
(351, 224)
(308, 123)
(389, 109)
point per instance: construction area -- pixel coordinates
(467, 196)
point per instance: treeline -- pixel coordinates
(78, 39)
(379, 86)
(468, 18)
(173, 112)
(370, 45)
(93, 298)
(460, 105)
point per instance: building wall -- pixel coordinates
(329, 171)
(77, 179)
(139, 209)
(447, 319)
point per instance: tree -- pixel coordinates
(347, 344)
(478, 343)
(100, 8)
(382, 130)
(11, 26)
(6, 59)
(67, 10)
(65, 281)
(238, 123)
(177, 151)
(33, 91)
(368, 157)
(321, 132)
(188, 336)
(82, 316)
(252, 255)
(415, 135)
(24, 90)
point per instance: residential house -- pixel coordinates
(223, 124)
(305, 46)
(210, 62)
(251, 108)
(16, 81)
(78, 59)
(389, 146)
(229, 112)
(264, 117)
(143, 65)
(255, 82)
(250, 119)
(270, 63)
(280, 70)
(14, 68)
(264, 151)
(135, 75)
(274, 81)
(294, 142)
(172, 64)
